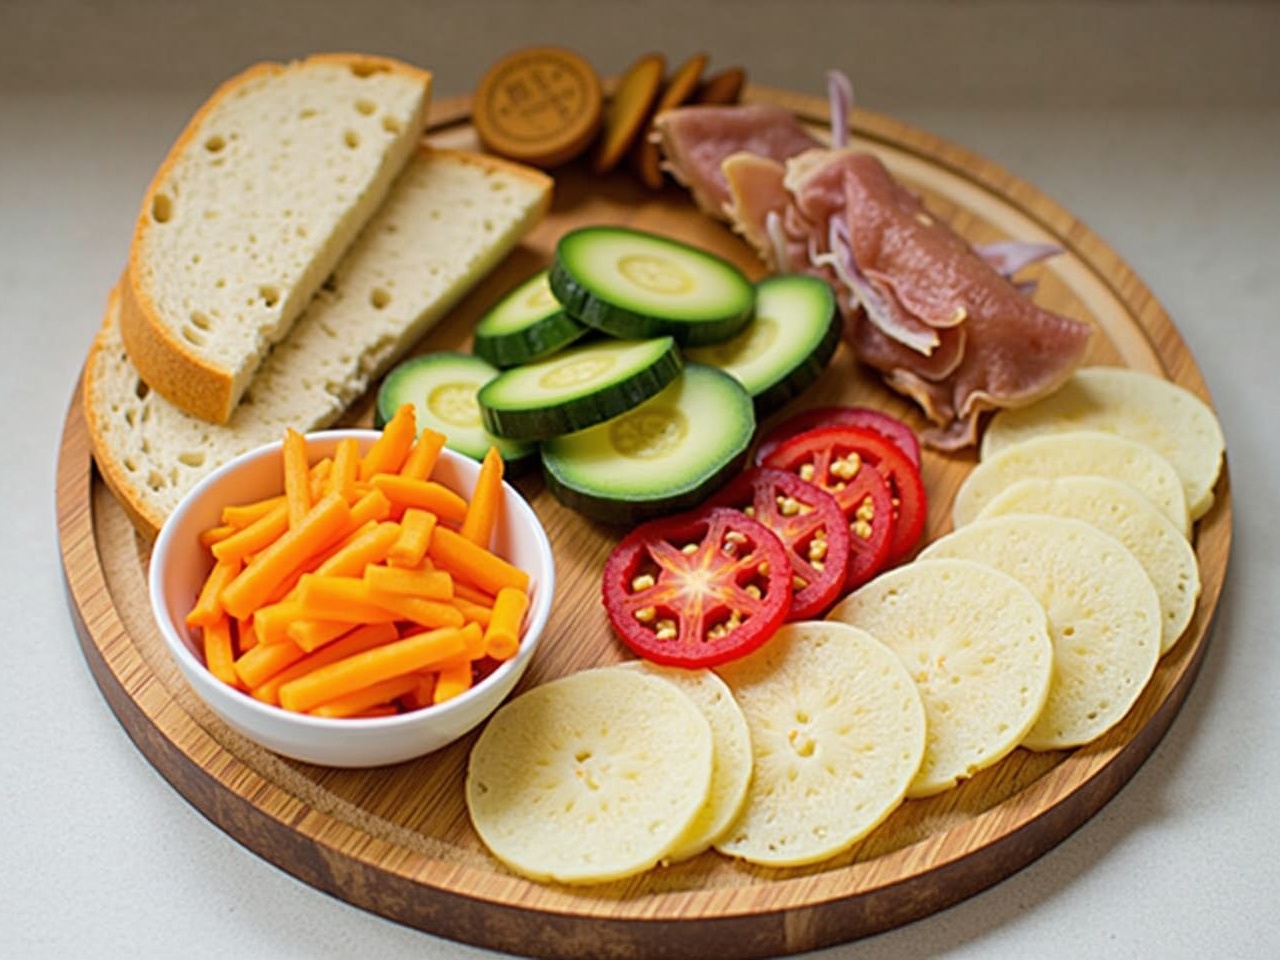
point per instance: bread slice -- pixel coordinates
(449, 220)
(264, 190)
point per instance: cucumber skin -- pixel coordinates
(617, 321)
(580, 413)
(534, 342)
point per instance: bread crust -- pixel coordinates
(163, 360)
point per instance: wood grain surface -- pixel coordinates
(397, 840)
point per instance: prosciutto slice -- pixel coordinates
(942, 321)
(696, 140)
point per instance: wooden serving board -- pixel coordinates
(397, 840)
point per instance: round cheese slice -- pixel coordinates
(837, 734)
(590, 777)
(1170, 419)
(1104, 616)
(1117, 508)
(731, 753)
(976, 642)
(1085, 452)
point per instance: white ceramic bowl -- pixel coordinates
(179, 566)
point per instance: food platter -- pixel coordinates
(397, 840)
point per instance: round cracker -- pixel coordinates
(1117, 508)
(628, 110)
(590, 777)
(1084, 452)
(837, 734)
(680, 87)
(1153, 411)
(731, 753)
(976, 642)
(1104, 616)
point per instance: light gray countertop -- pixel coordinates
(1157, 124)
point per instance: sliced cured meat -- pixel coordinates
(756, 199)
(695, 141)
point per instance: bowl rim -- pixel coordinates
(188, 662)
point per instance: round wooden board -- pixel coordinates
(397, 840)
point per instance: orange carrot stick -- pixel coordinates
(219, 656)
(323, 525)
(388, 452)
(424, 455)
(346, 467)
(360, 701)
(242, 514)
(467, 561)
(371, 505)
(211, 536)
(271, 621)
(366, 546)
(311, 635)
(246, 636)
(407, 655)
(256, 536)
(473, 612)
(486, 500)
(426, 494)
(472, 593)
(208, 606)
(266, 660)
(428, 584)
(297, 482)
(415, 536)
(452, 681)
(502, 635)
(340, 598)
(421, 695)
(356, 641)
(425, 613)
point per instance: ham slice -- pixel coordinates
(940, 320)
(695, 141)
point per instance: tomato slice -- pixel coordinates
(890, 427)
(811, 526)
(837, 451)
(697, 589)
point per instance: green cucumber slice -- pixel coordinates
(525, 325)
(442, 388)
(634, 285)
(786, 346)
(577, 388)
(668, 454)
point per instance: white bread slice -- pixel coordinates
(450, 218)
(263, 191)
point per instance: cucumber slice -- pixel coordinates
(526, 325)
(577, 388)
(668, 454)
(786, 347)
(634, 285)
(442, 387)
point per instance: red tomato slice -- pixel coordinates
(891, 427)
(811, 526)
(697, 589)
(845, 448)
(861, 492)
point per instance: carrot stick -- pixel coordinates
(340, 598)
(371, 696)
(428, 584)
(266, 660)
(372, 505)
(256, 536)
(422, 458)
(323, 524)
(246, 636)
(310, 635)
(271, 621)
(426, 494)
(243, 514)
(208, 606)
(356, 641)
(346, 467)
(425, 613)
(219, 656)
(472, 594)
(421, 695)
(211, 536)
(366, 546)
(486, 500)
(415, 652)
(297, 482)
(467, 561)
(415, 535)
(381, 710)
(388, 452)
(502, 635)
(473, 612)
(452, 681)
